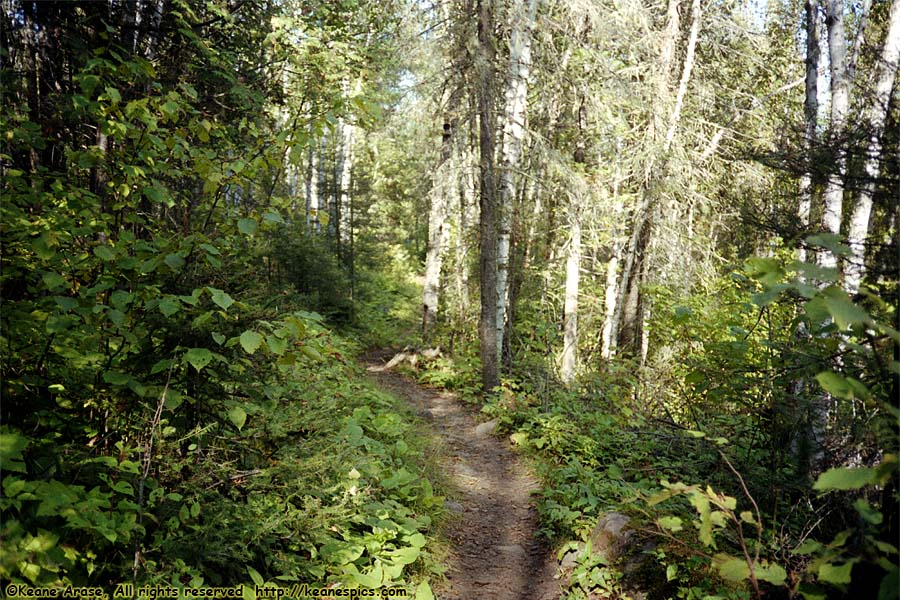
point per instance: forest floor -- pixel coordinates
(495, 552)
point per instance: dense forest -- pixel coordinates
(652, 243)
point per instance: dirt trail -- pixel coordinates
(495, 554)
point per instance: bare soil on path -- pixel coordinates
(495, 552)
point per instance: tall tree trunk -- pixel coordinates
(811, 112)
(570, 309)
(612, 269)
(311, 200)
(466, 195)
(321, 194)
(523, 17)
(348, 139)
(685, 75)
(487, 328)
(840, 101)
(886, 74)
(437, 232)
(335, 219)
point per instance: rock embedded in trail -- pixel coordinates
(487, 428)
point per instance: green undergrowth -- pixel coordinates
(271, 459)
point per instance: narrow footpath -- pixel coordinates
(495, 553)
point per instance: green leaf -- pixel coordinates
(423, 592)
(845, 388)
(701, 503)
(250, 341)
(255, 576)
(767, 271)
(247, 226)
(238, 417)
(104, 253)
(11, 446)
(829, 241)
(830, 573)
(889, 585)
(174, 261)
(272, 217)
(123, 487)
(671, 523)
(113, 94)
(169, 306)
(198, 357)
(843, 478)
(844, 312)
(868, 513)
(774, 574)
(731, 568)
(276, 344)
(671, 572)
(405, 556)
(218, 338)
(54, 281)
(222, 299)
(340, 552)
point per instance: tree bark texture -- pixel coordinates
(811, 112)
(885, 76)
(523, 16)
(438, 232)
(487, 327)
(840, 101)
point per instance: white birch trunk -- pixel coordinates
(811, 111)
(840, 101)
(312, 201)
(608, 338)
(348, 138)
(322, 194)
(685, 75)
(885, 76)
(516, 97)
(570, 310)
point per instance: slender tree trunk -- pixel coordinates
(348, 139)
(811, 112)
(466, 196)
(608, 339)
(490, 375)
(335, 220)
(523, 16)
(311, 201)
(320, 197)
(437, 232)
(685, 75)
(570, 310)
(840, 101)
(885, 76)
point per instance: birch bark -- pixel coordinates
(515, 103)
(840, 102)
(885, 76)
(811, 111)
